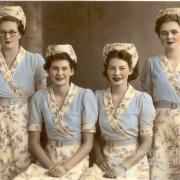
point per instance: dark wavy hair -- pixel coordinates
(164, 19)
(57, 57)
(21, 27)
(123, 54)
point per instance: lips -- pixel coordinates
(59, 79)
(116, 78)
(7, 42)
(170, 43)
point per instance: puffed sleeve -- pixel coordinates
(90, 112)
(147, 115)
(146, 77)
(40, 74)
(35, 116)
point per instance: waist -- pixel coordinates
(112, 143)
(13, 101)
(166, 104)
(60, 143)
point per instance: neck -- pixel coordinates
(121, 89)
(173, 54)
(61, 90)
(9, 53)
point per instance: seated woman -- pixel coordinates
(69, 113)
(125, 120)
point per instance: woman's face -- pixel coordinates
(9, 35)
(118, 71)
(60, 72)
(170, 35)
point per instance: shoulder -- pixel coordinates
(144, 98)
(86, 92)
(40, 94)
(34, 56)
(153, 60)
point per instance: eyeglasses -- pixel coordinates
(11, 33)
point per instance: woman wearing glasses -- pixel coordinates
(69, 113)
(21, 73)
(161, 78)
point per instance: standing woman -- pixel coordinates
(69, 113)
(125, 120)
(161, 78)
(21, 73)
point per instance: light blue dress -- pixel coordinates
(16, 87)
(121, 128)
(64, 126)
(154, 80)
(163, 82)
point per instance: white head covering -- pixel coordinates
(170, 11)
(130, 48)
(67, 48)
(15, 11)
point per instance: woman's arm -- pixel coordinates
(100, 160)
(37, 150)
(82, 152)
(143, 148)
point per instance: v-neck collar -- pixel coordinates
(173, 75)
(113, 114)
(8, 73)
(57, 112)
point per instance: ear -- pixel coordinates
(130, 71)
(72, 72)
(19, 36)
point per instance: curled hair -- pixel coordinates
(57, 57)
(164, 19)
(20, 26)
(123, 54)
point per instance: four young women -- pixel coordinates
(125, 115)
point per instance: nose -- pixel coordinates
(7, 35)
(170, 35)
(117, 71)
(60, 72)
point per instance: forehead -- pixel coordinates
(117, 62)
(170, 25)
(8, 25)
(60, 63)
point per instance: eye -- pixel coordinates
(12, 32)
(54, 68)
(111, 68)
(163, 33)
(174, 32)
(122, 68)
(65, 68)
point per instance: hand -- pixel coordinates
(110, 173)
(119, 171)
(57, 171)
(101, 162)
(175, 168)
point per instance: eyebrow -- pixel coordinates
(116, 66)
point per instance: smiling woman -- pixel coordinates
(15, 92)
(125, 120)
(69, 113)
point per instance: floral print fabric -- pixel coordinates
(14, 154)
(58, 155)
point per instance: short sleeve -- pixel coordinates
(146, 77)
(90, 112)
(147, 114)
(40, 74)
(35, 116)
